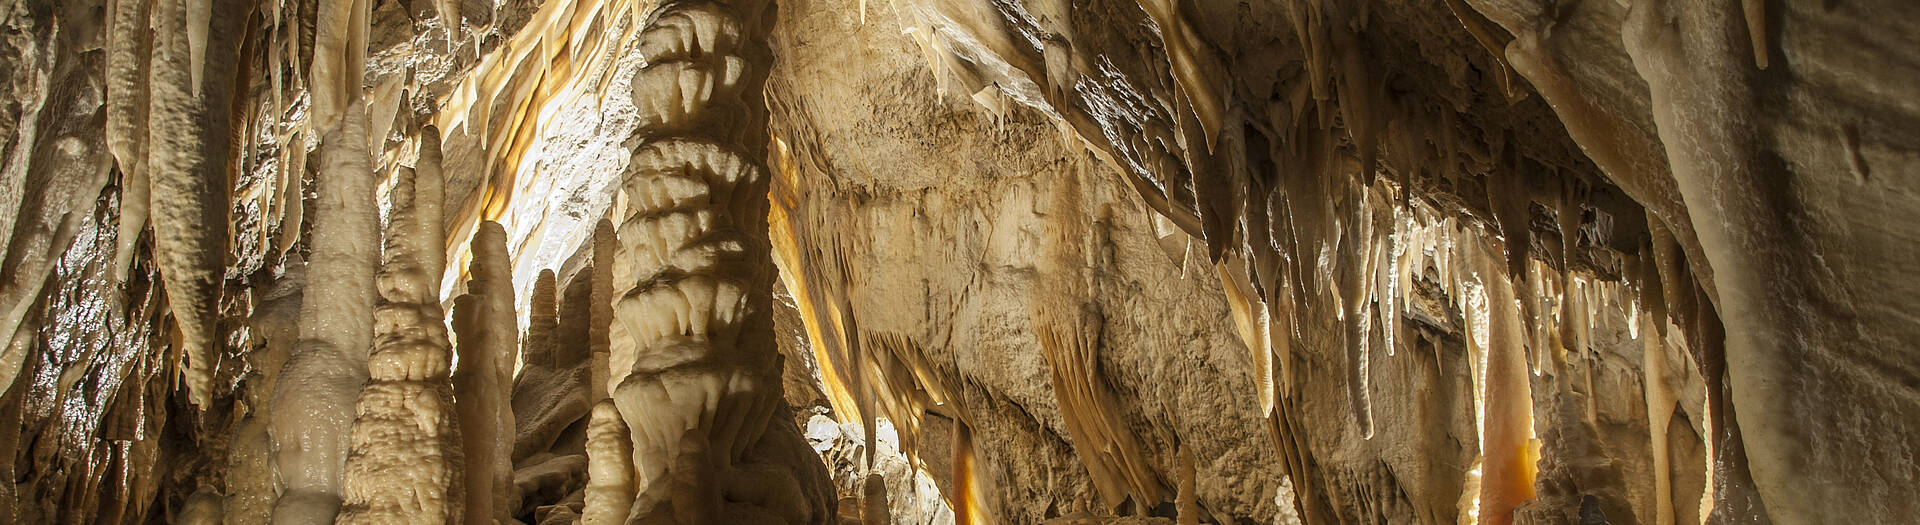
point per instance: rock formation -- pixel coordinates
(483, 321)
(1008, 261)
(404, 464)
(697, 381)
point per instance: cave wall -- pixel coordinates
(1402, 261)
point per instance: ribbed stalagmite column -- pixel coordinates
(609, 494)
(696, 375)
(483, 320)
(403, 466)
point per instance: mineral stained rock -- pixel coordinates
(1006, 261)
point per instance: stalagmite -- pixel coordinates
(601, 310)
(404, 462)
(204, 322)
(483, 321)
(609, 467)
(1186, 506)
(313, 402)
(543, 322)
(250, 478)
(549, 390)
(701, 384)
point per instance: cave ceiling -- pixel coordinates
(959, 261)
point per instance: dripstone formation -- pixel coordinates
(959, 261)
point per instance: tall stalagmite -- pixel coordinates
(403, 466)
(488, 334)
(313, 401)
(696, 371)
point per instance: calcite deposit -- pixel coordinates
(959, 261)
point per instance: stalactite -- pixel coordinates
(1781, 379)
(1660, 408)
(190, 145)
(483, 321)
(702, 382)
(1104, 442)
(129, 53)
(1193, 68)
(1756, 11)
(339, 60)
(404, 462)
(293, 193)
(313, 402)
(1506, 438)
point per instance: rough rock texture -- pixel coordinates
(405, 461)
(1094, 261)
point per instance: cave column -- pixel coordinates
(694, 371)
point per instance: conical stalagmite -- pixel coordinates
(487, 333)
(404, 464)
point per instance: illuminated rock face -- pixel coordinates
(1009, 261)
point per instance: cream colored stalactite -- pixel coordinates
(129, 49)
(404, 465)
(488, 336)
(339, 59)
(1194, 71)
(188, 163)
(1507, 465)
(313, 404)
(694, 281)
(1661, 401)
(609, 492)
(292, 193)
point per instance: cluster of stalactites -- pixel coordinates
(866, 375)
